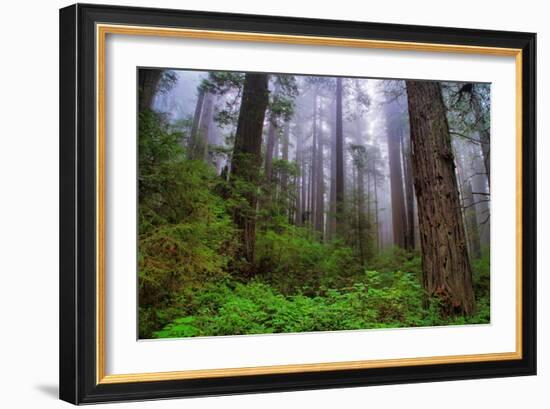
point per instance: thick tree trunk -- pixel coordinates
(446, 268)
(148, 83)
(399, 217)
(416, 225)
(339, 161)
(247, 158)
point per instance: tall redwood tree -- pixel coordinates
(247, 158)
(339, 145)
(446, 268)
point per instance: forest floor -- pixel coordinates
(388, 297)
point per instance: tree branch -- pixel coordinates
(476, 203)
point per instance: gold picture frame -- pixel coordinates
(99, 21)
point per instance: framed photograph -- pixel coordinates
(258, 203)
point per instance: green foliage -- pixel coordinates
(185, 234)
(156, 143)
(225, 83)
(220, 82)
(293, 261)
(181, 327)
(167, 80)
(482, 275)
(281, 106)
(282, 102)
(228, 308)
(395, 258)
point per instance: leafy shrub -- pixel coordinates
(255, 308)
(394, 258)
(294, 262)
(482, 275)
(185, 233)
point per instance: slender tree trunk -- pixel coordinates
(284, 175)
(399, 218)
(286, 135)
(299, 177)
(247, 158)
(485, 147)
(311, 187)
(446, 268)
(376, 215)
(300, 185)
(305, 178)
(271, 140)
(203, 136)
(484, 135)
(468, 201)
(339, 161)
(481, 195)
(332, 201)
(361, 219)
(277, 147)
(215, 139)
(369, 190)
(314, 164)
(353, 238)
(320, 188)
(194, 147)
(471, 221)
(270, 148)
(409, 190)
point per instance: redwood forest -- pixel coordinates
(282, 203)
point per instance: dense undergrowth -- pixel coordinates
(189, 281)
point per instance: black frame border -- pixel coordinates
(78, 210)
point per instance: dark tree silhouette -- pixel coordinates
(149, 81)
(339, 160)
(245, 167)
